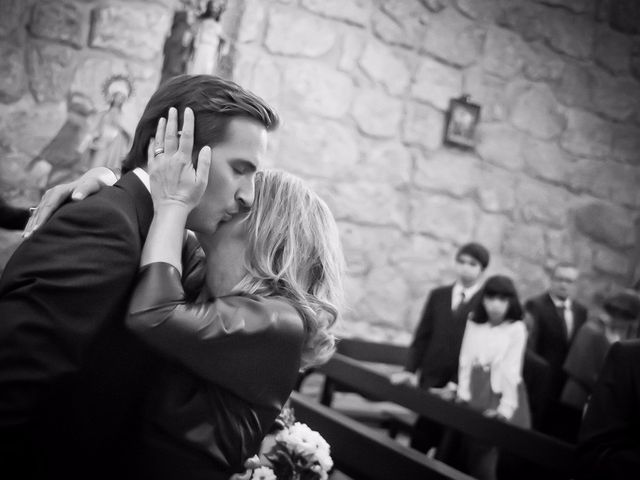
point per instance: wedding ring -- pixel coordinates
(158, 151)
(33, 210)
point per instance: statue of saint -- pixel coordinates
(210, 42)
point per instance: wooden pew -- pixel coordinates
(530, 445)
(365, 454)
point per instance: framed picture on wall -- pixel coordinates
(462, 119)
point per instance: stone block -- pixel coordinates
(401, 22)
(135, 30)
(362, 245)
(316, 147)
(569, 33)
(607, 224)
(546, 161)
(356, 12)
(496, 190)
(530, 277)
(390, 160)
(488, 91)
(586, 134)
(500, 145)
(352, 47)
(454, 38)
(490, 231)
(378, 290)
(292, 33)
(423, 125)
(28, 127)
(577, 6)
(575, 86)
(441, 216)
(609, 261)
(421, 260)
(448, 171)
(607, 180)
(626, 143)
(377, 114)
(372, 203)
(252, 22)
(317, 88)
(526, 18)
(617, 98)
(51, 67)
(542, 203)
(383, 65)
(436, 83)
(13, 80)
(613, 50)
(505, 53)
(61, 21)
(484, 11)
(13, 16)
(535, 112)
(525, 241)
(544, 65)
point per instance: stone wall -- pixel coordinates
(363, 87)
(54, 58)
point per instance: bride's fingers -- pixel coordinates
(160, 131)
(204, 164)
(186, 137)
(171, 132)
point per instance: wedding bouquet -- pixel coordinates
(297, 453)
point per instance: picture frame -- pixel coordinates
(462, 120)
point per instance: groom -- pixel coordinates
(70, 375)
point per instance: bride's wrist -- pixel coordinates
(171, 204)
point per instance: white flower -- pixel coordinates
(263, 473)
(300, 439)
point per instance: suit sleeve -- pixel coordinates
(242, 343)
(59, 289)
(421, 337)
(608, 445)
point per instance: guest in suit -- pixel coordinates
(618, 319)
(71, 376)
(556, 317)
(609, 439)
(435, 349)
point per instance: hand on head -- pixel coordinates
(174, 180)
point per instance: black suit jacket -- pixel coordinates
(435, 349)
(609, 440)
(68, 368)
(549, 339)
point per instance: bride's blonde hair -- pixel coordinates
(294, 252)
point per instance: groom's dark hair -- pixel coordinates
(214, 101)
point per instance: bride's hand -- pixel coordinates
(174, 180)
(89, 183)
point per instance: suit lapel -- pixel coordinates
(141, 199)
(557, 321)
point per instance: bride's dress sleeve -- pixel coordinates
(242, 343)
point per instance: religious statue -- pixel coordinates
(210, 42)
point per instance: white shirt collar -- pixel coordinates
(144, 177)
(561, 303)
(468, 292)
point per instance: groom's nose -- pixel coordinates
(245, 196)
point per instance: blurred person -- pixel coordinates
(490, 373)
(616, 320)
(555, 317)
(434, 352)
(609, 439)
